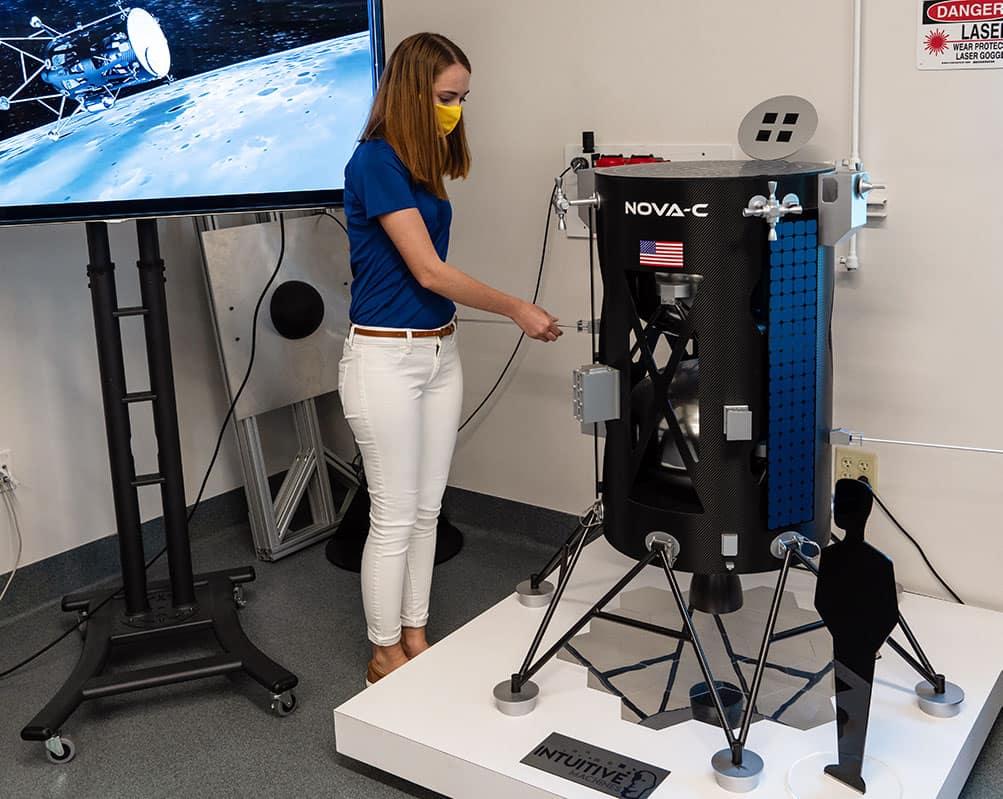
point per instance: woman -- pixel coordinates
(400, 379)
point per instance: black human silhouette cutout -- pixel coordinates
(855, 596)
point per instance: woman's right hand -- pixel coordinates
(537, 323)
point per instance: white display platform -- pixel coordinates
(434, 722)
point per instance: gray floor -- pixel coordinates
(214, 738)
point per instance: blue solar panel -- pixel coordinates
(795, 265)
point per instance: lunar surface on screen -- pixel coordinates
(251, 128)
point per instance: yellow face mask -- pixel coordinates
(449, 116)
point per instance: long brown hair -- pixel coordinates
(403, 112)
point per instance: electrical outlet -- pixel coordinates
(6, 469)
(854, 462)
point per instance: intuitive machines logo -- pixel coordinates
(605, 771)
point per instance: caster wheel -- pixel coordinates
(283, 704)
(53, 747)
(238, 597)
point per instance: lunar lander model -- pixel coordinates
(713, 379)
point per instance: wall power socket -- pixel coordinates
(853, 462)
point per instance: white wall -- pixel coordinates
(917, 330)
(51, 415)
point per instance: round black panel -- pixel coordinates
(297, 309)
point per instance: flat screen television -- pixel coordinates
(169, 107)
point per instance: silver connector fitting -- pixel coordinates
(843, 205)
(793, 541)
(771, 210)
(669, 543)
(841, 437)
(562, 204)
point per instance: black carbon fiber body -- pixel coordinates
(724, 489)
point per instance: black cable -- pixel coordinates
(212, 461)
(522, 335)
(328, 213)
(595, 346)
(592, 287)
(919, 549)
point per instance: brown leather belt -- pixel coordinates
(442, 331)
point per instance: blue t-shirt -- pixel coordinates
(384, 292)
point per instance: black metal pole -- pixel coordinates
(670, 683)
(764, 651)
(726, 640)
(527, 672)
(806, 562)
(698, 651)
(795, 631)
(563, 553)
(560, 558)
(551, 609)
(605, 682)
(914, 642)
(925, 668)
(637, 624)
(111, 365)
(929, 676)
(165, 413)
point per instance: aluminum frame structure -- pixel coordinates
(309, 475)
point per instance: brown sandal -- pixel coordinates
(373, 674)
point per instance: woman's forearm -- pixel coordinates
(458, 286)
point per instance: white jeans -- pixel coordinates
(402, 399)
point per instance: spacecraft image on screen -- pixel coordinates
(174, 106)
(88, 65)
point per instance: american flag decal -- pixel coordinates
(664, 254)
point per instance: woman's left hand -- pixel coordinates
(537, 323)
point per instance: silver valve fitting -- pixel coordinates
(865, 187)
(562, 204)
(772, 211)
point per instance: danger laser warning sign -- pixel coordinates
(958, 34)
